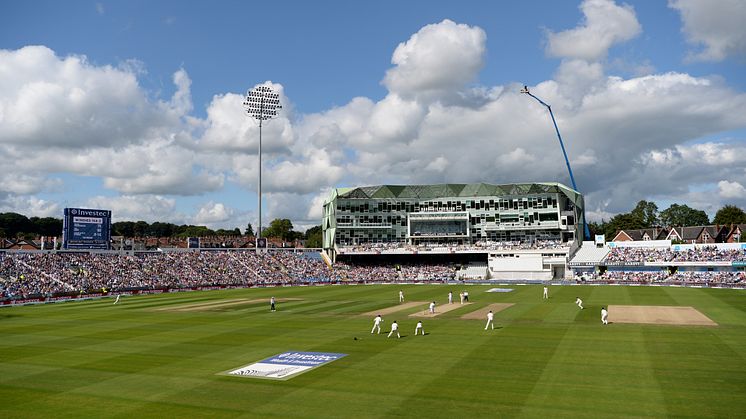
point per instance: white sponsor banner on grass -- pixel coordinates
(499, 290)
(285, 365)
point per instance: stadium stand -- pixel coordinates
(589, 254)
(48, 274)
(473, 271)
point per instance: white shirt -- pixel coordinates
(490, 316)
(377, 320)
(419, 325)
(394, 326)
(432, 306)
(604, 313)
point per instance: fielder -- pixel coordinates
(394, 328)
(450, 297)
(117, 300)
(546, 293)
(604, 316)
(272, 304)
(419, 328)
(490, 317)
(401, 296)
(432, 307)
(377, 324)
(466, 296)
(579, 302)
(461, 296)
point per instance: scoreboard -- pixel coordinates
(86, 229)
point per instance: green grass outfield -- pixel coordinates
(546, 358)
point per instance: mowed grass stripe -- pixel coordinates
(335, 383)
(81, 336)
(492, 379)
(706, 378)
(458, 368)
(710, 303)
(571, 378)
(403, 365)
(144, 391)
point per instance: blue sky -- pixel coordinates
(135, 106)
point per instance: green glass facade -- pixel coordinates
(451, 213)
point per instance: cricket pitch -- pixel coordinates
(438, 310)
(686, 316)
(394, 309)
(481, 314)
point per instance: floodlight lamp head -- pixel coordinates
(262, 103)
(525, 89)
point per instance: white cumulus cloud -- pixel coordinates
(731, 189)
(715, 28)
(605, 23)
(439, 58)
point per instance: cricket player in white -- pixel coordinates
(579, 302)
(419, 328)
(461, 296)
(604, 316)
(394, 328)
(450, 297)
(377, 324)
(401, 296)
(117, 300)
(432, 307)
(546, 293)
(490, 317)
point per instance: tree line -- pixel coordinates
(646, 215)
(14, 225)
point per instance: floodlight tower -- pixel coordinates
(261, 104)
(564, 153)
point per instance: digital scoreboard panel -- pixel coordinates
(86, 229)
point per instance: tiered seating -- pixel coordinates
(590, 254)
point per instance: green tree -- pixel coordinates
(313, 237)
(47, 226)
(159, 229)
(141, 229)
(729, 214)
(597, 228)
(15, 225)
(683, 216)
(194, 231)
(249, 230)
(281, 228)
(647, 212)
(123, 228)
(627, 221)
(226, 232)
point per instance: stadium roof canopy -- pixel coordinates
(451, 190)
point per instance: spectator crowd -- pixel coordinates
(699, 254)
(481, 245)
(680, 277)
(34, 274)
(42, 274)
